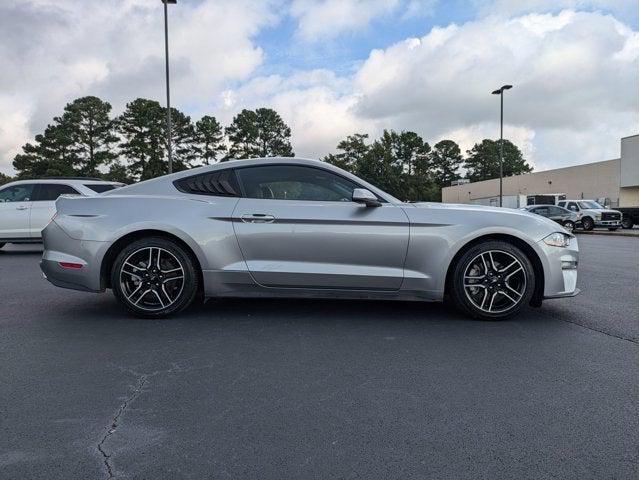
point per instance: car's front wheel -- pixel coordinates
(569, 225)
(627, 223)
(588, 224)
(154, 277)
(493, 280)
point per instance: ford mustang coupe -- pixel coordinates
(286, 227)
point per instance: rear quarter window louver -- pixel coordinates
(221, 183)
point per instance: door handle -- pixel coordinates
(21, 207)
(257, 218)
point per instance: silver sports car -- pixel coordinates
(282, 227)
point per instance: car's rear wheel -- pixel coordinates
(569, 225)
(588, 223)
(493, 280)
(154, 277)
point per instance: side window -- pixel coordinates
(17, 193)
(562, 204)
(48, 192)
(543, 211)
(284, 182)
(218, 183)
(555, 211)
(573, 206)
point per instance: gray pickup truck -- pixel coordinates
(593, 215)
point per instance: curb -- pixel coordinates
(607, 233)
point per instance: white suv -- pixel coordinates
(26, 206)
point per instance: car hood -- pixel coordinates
(483, 217)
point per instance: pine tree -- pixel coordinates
(482, 162)
(210, 137)
(259, 133)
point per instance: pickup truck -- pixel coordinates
(630, 216)
(593, 215)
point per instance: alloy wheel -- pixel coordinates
(152, 279)
(495, 281)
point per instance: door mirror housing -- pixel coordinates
(368, 198)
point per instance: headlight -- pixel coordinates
(557, 239)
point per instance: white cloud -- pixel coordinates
(53, 51)
(317, 105)
(574, 73)
(327, 19)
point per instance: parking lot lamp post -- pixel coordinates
(168, 94)
(500, 92)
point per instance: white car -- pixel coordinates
(26, 206)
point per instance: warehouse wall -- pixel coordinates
(592, 180)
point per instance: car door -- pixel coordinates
(573, 207)
(43, 205)
(558, 214)
(297, 226)
(15, 206)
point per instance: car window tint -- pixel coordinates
(542, 211)
(100, 187)
(562, 204)
(51, 191)
(283, 182)
(17, 193)
(573, 206)
(557, 211)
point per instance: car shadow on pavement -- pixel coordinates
(104, 308)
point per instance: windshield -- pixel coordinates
(591, 205)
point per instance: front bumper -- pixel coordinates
(60, 248)
(560, 270)
(608, 223)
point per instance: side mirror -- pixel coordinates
(368, 198)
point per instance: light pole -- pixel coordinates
(500, 92)
(168, 94)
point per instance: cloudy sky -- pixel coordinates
(336, 67)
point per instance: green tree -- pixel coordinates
(5, 179)
(412, 152)
(482, 162)
(210, 137)
(381, 166)
(445, 161)
(259, 133)
(92, 134)
(50, 155)
(352, 150)
(143, 128)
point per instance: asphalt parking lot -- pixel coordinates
(321, 389)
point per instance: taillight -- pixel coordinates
(70, 265)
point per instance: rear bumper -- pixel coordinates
(60, 248)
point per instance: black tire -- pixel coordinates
(161, 268)
(588, 223)
(468, 298)
(613, 229)
(569, 225)
(627, 223)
